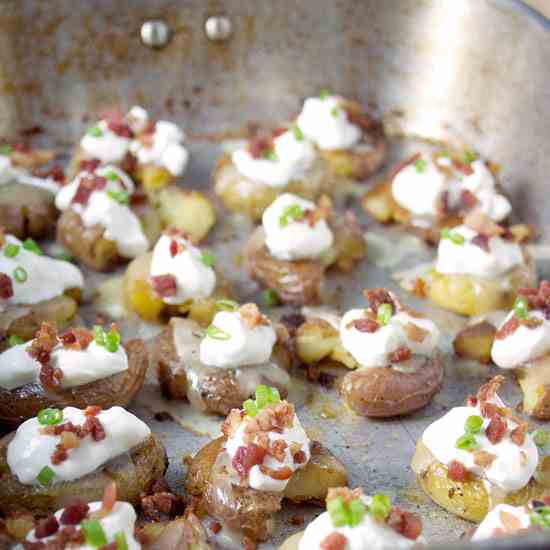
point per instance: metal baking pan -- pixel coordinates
(472, 71)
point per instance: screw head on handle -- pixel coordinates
(155, 33)
(218, 28)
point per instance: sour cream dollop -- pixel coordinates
(471, 259)
(493, 524)
(36, 277)
(293, 156)
(30, 450)
(121, 519)
(294, 238)
(325, 122)
(79, 367)
(11, 174)
(194, 279)
(370, 534)
(373, 349)
(103, 144)
(236, 344)
(513, 466)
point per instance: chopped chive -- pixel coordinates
(265, 395)
(337, 511)
(540, 516)
(94, 533)
(15, 340)
(356, 512)
(270, 298)
(250, 408)
(467, 442)
(6, 150)
(11, 250)
(217, 333)
(99, 335)
(469, 156)
(421, 165)
(49, 417)
(298, 134)
(45, 475)
(473, 424)
(94, 131)
(32, 246)
(453, 236)
(112, 341)
(385, 311)
(272, 156)
(380, 506)
(120, 539)
(121, 197)
(541, 437)
(111, 175)
(291, 212)
(64, 257)
(323, 94)
(521, 308)
(227, 305)
(207, 258)
(20, 274)
(335, 111)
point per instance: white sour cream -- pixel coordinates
(297, 240)
(29, 450)
(46, 278)
(372, 349)
(325, 122)
(194, 279)
(260, 481)
(11, 174)
(470, 259)
(492, 523)
(107, 148)
(293, 158)
(238, 345)
(370, 534)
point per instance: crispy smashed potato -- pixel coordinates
(183, 533)
(153, 178)
(475, 342)
(534, 381)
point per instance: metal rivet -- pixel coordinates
(155, 33)
(218, 28)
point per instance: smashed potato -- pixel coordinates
(534, 381)
(182, 533)
(475, 342)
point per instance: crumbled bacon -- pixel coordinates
(55, 173)
(496, 429)
(300, 457)
(159, 503)
(49, 376)
(47, 527)
(463, 167)
(129, 164)
(531, 322)
(87, 186)
(377, 297)
(538, 298)
(365, 325)
(252, 316)
(405, 523)
(483, 458)
(215, 527)
(322, 212)
(89, 165)
(92, 410)
(6, 287)
(345, 493)
(415, 333)
(76, 338)
(259, 147)
(482, 241)
(292, 321)
(481, 223)
(471, 400)
(74, 513)
(59, 455)
(43, 343)
(467, 199)
(277, 449)
(334, 541)
(457, 471)
(401, 354)
(164, 285)
(509, 327)
(488, 390)
(93, 426)
(488, 410)
(174, 248)
(70, 440)
(279, 474)
(120, 128)
(109, 497)
(518, 434)
(403, 164)
(247, 457)
(420, 287)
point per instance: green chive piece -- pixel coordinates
(20, 274)
(266, 395)
(335, 111)
(120, 539)
(11, 250)
(49, 417)
(15, 340)
(357, 511)
(272, 156)
(324, 93)
(385, 311)
(540, 516)
(94, 131)
(443, 153)
(337, 511)
(298, 134)
(6, 150)
(473, 424)
(45, 475)
(250, 408)
(217, 333)
(112, 341)
(65, 257)
(32, 246)
(227, 305)
(111, 175)
(99, 335)
(380, 506)
(469, 157)
(291, 212)
(421, 165)
(521, 308)
(541, 437)
(207, 258)
(121, 197)
(94, 533)
(270, 298)
(467, 442)
(453, 236)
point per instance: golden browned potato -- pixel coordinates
(27, 211)
(140, 297)
(469, 499)
(534, 380)
(391, 391)
(252, 511)
(475, 342)
(153, 178)
(16, 526)
(119, 389)
(214, 390)
(183, 533)
(134, 474)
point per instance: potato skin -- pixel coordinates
(534, 380)
(25, 402)
(27, 211)
(134, 474)
(182, 533)
(385, 392)
(475, 342)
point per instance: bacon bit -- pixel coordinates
(483, 458)
(481, 223)
(463, 167)
(160, 503)
(403, 164)
(401, 354)
(364, 325)
(69, 440)
(259, 147)
(293, 321)
(510, 522)
(467, 199)
(334, 541)
(47, 527)
(164, 285)
(279, 474)
(215, 527)
(87, 186)
(415, 333)
(76, 339)
(120, 128)
(174, 248)
(6, 287)
(278, 132)
(457, 471)
(378, 296)
(419, 288)
(509, 327)
(488, 390)
(89, 165)
(247, 457)
(322, 212)
(109, 497)
(297, 520)
(93, 426)
(59, 455)
(518, 434)
(252, 316)
(55, 173)
(74, 513)
(538, 298)
(482, 241)
(405, 523)
(496, 429)
(92, 410)
(488, 410)
(471, 401)
(346, 493)
(300, 457)
(531, 322)
(43, 343)
(111, 546)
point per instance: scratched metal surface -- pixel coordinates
(473, 71)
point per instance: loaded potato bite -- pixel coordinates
(522, 343)
(73, 368)
(176, 278)
(479, 268)
(356, 521)
(98, 224)
(350, 141)
(264, 457)
(430, 192)
(297, 242)
(66, 452)
(34, 288)
(480, 455)
(218, 368)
